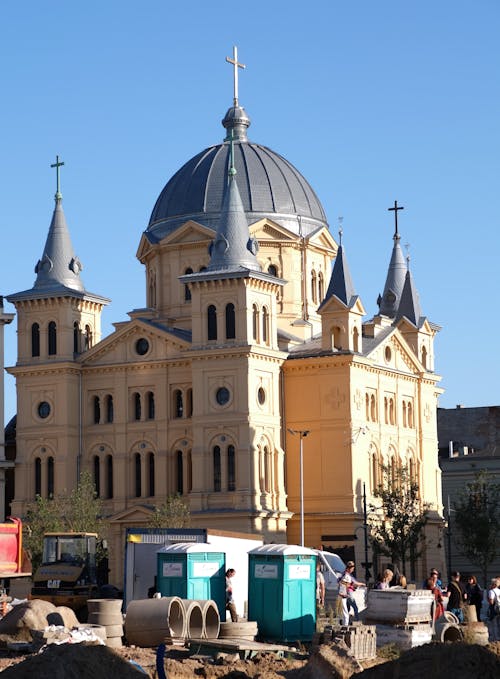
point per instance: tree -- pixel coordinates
(79, 511)
(173, 513)
(398, 520)
(476, 521)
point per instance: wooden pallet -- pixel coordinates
(244, 647)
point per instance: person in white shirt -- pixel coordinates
(493, 609)
(346, 583)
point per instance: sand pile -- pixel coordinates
(74, 661)
(459, 661)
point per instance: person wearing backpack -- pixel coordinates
(494, 609)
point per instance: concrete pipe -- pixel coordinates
(150, 622)
(105, 606)
(194, 619)
(446, 631)
(238, 630)
(211, 618)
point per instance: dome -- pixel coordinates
(269, 186)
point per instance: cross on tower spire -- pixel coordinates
(395, 209)
(57, 165)
(236, 66)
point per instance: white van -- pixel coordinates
(332, 568)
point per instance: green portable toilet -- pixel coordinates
(193, 570)
(282, 591)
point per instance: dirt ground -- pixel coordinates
(328, 661)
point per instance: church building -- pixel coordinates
(249, 383)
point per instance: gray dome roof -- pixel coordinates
(269, 186)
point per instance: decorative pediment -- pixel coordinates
(121, 346)
(137, 514)
(266, 229)
(334, 304)
(323, 239)
(395, 353)
(189, 232)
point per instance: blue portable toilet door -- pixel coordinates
(206, 577)
(172, 575)
(299, 604)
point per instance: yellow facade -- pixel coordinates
(176, 402)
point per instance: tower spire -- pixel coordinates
(388, 302)
(341, 284)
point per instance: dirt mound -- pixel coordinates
(74, 661)
(460, 661)
(16, 624)
(331, 661)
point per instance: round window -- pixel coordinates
(261, 396)
(43, 409)
(142, 346)
(222, 396)
(388, 354)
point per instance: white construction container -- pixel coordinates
(399, 606)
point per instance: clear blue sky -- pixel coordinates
(372, 101)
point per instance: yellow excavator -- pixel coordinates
(67, 576)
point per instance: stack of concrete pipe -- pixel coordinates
(108, 614)
(150, 622)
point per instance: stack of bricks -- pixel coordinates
(361, 639)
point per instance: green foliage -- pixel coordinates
(80, 510)
(173, 513)
(476, 521)
(399, 518)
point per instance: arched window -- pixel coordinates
(355, 339)
(151, 405)
(187, 291)
(88, 337)
(189, 403)
(97, 410)
(50, 477)
(336, 334)
(151, 474)
(410, 415)
(424, 357)
(391, 411)
(217, 469)
(265, 463)
(38, 476)
(189, 472)
(137, 475)
(367, 406)
(321, 287)
(212, 322)
(386, 410)
(109, 408)
(180, 473)
(76, 338)
(137, 406)
(265, 325)
(52, 339)
(230, 322)
(35, 339)
(314, 291)
(178, 404)
(231, 468)
(109, 476)
(273, 270)
(255, 323)
(97, 476)
(404, 414)
(373, 408)
(374, 472)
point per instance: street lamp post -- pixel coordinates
(302, 434)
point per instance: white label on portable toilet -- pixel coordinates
(172, 570)
(265, 570)
(205, 569)
(299, 571)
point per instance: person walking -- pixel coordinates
(438, 597)
(320, 589)
(474, 595)
(457, 596)
(494, 609)
(230, 605)
(347, 585)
